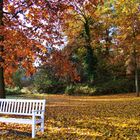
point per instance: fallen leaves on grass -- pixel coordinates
(84, 118)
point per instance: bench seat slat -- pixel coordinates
(19, 120)
(15, 113)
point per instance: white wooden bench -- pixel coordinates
(24, 107)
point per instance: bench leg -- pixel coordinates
(33, 130)
(42, 126)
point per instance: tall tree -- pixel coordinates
(24, 25)
(127, 20)
(79, 18)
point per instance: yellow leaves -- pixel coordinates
(30, 16)
(127, 22)
(127, 7)
(122, 37)
(138, 37)
(76, 15)
(124, 10)
(11, 9)
(84, 118)
(46, 15)
(70, 8)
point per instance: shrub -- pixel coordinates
(52, 88)
(109, 87)
(80, 90)
(115, 86)
(70, 90)
(44, 82)
(13, 91)
(17, 76)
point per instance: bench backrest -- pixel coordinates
(21, 106)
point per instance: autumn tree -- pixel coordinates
(24, 25)
(79, 20)
(127, 21)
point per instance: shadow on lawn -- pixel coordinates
(15, 132)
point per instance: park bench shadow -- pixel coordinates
(16, 132)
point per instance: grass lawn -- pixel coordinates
(114, 117)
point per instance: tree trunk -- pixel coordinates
(136, 74)
(108, 42)
(91, 60)
(136, 82)
(2, 85)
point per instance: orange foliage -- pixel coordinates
(63, 66)
(30, 22)
(26, 24)
(18, 52)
